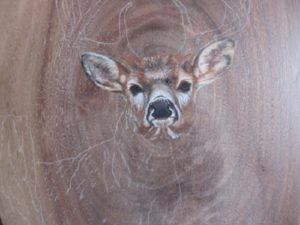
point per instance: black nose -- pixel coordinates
(161, 109)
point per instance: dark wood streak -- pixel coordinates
(68, 150)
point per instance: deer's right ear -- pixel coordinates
(103, 71)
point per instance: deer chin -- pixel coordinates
(164, 132)
(161, 129)
(163, 123)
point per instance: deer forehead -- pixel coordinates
(158, 67)
(156, 75)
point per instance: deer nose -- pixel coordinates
(161, 109)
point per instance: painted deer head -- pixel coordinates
(160, 89)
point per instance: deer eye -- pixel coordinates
(135, 89)
(184, 86)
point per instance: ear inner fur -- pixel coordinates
(213, 60)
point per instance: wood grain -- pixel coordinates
(68, 151)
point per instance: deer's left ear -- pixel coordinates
(212, 60)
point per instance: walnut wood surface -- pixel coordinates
(68, 151)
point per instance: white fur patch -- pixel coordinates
(123, 79)
(183, 99)
(156, 75)
(139, 100)
(172, 134)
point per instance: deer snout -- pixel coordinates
(161, 109)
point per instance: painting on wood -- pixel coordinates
(179, 112)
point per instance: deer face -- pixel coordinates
(160, 89)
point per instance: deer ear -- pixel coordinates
(212, 60)
(102, 70)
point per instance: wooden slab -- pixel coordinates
(68, 151)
